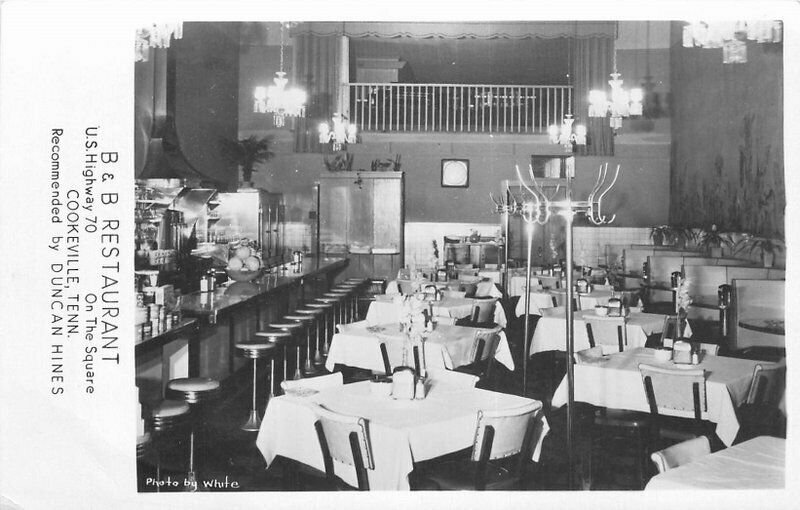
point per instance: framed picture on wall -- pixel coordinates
(455, 173)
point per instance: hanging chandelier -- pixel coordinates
(621, 104)
(157, 35)
(732, 36)
(568, 135)
(340, 134)
(277, 99)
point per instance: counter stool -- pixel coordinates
(353, 292)
(362, 285)
(195, 391)
(295, 328)
(326, 305)
(256, 350)
(168, 416)
(341, 306)
(307, 322)
(317, 315)
(282, 339)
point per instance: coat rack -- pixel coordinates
(536, 208)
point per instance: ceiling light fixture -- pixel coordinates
(731, 36)
(622, 103)
(157, 35)
(340, 134)
(567, 135)
(277, 99)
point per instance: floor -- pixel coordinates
(227, 458)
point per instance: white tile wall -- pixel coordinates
(589, 242)
(297, 235)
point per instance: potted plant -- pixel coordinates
(767, 246)
(711, 241)
(661, 233)
(685, 236)
(246, 153)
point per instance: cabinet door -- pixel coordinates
(360, 212)
(388, 213)
(334, 212)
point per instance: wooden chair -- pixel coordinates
(483, 310)
(608, 331)
(484, 345)
(318, 383)
(681, 453)
(345, 439)
(669, 391)
(760, 413)
(499, 434)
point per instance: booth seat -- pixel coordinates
(758, 300)
(706, 279)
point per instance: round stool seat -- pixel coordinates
(336, 293)
(310, 311)
(274, 336)
(329, 301)
(306, 318)
(257, 349)
(193, 390)
(290, 327)
(170, 409)
(347, 285)
(169, 414)
(142, 445)
(323, 306)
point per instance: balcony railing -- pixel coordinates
(442, 107)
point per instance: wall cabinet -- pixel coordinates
(361, 217)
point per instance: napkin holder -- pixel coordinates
(582, 286)
(615, 307)
(682, 352)
(403, 383)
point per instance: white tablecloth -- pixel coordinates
(587, 301)
(384, 311)
(538, 300)
(759, 463)
(401, 432)
(550, 333)
(516, 285)
(485, 285)
(445, 347)
(615, 382)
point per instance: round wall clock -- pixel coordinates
(455, 173)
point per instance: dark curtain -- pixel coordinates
(316, 68)
(593, 62)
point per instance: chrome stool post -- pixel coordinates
(295, 328)
(255, 351)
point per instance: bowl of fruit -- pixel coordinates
(244, 264)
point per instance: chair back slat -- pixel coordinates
(509, 427)
(387, 367)
(768, 384)
(337, 429)
(677, 390)
(608, 331)
(483, 309)
(681, 453)
(484, 344)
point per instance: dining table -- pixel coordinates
(550, 332)
(447, 346)
(614, 381)
(387, 308)
(401, 432)
(758, 463)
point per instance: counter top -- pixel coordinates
(232, 294)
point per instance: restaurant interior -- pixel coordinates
(522, 255)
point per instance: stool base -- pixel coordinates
(253, 422)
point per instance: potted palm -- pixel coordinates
(661, 233)
(246, 153)
(711, 241)
(767, 246)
